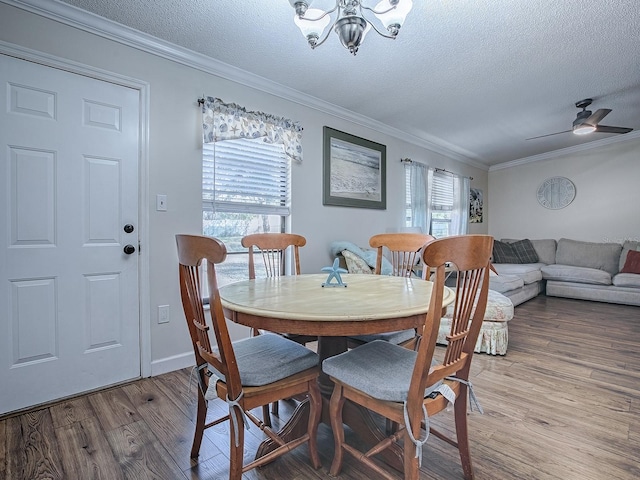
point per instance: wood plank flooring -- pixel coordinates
(564, 403)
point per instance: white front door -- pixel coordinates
(69, 305)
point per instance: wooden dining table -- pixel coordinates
(300, 304)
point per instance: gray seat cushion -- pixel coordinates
(268, 358)
(504, 283)
(568, 273)
(528, 272)
(379, 369)
(627, 280)
(396, 337)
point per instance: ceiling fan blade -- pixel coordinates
(598, 115)
(547, 135)
(607, 129)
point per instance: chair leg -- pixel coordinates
(460, 412)
(201, 417)
(266, 417)
(411, 468)
(335, 412)
(236, 454)
(274, 408)
(315, 412)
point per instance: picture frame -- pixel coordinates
(354, 171)
(476, 205)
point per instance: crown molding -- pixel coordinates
(91, 23)
(567, 151)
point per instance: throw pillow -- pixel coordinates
(525, 251)
(504, 253)
(628, 245)
(632, 264)
(355, 264)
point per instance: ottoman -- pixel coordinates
(494, 334)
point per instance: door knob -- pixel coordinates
(128, 228)
(129, 249)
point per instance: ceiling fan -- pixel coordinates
(587, 122)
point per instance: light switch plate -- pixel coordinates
(161, 203)
(163, 313)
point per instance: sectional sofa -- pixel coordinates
(603, 272)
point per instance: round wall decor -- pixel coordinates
(556, 193)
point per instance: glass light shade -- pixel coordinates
(584, 129)
(311, 27)
(396, 16)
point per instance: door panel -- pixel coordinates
(69, 305)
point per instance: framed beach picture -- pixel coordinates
(354, 171)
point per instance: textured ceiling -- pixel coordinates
(475, 77)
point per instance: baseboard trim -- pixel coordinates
(170, 364)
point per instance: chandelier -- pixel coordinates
(350, 23)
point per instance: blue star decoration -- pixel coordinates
(334, 274)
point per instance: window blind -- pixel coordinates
(245, 176)
(442, 192)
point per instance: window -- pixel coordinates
(245, 189)
(441, 205)
(436, 200)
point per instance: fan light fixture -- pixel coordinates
(350, 24)
(584, 129)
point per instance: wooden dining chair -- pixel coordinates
(407, 387)
(247, 373)
(403, 252)
(273, 247)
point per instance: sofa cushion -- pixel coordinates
(603, 256)
(632, 264)
(569, 273)
(627, 280)
(545, 248)
(504, 283)
(528, 272)
(626, 247)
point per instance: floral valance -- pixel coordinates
(229, 121)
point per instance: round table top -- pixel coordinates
(302, 297)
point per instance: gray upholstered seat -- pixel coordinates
(268, 358)
(379, 369)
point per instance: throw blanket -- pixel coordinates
(368, 256)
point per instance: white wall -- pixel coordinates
(606, 207)
(175, 162)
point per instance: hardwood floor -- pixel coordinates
(564, 403)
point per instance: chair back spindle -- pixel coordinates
(405, 249)
(273, 248)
